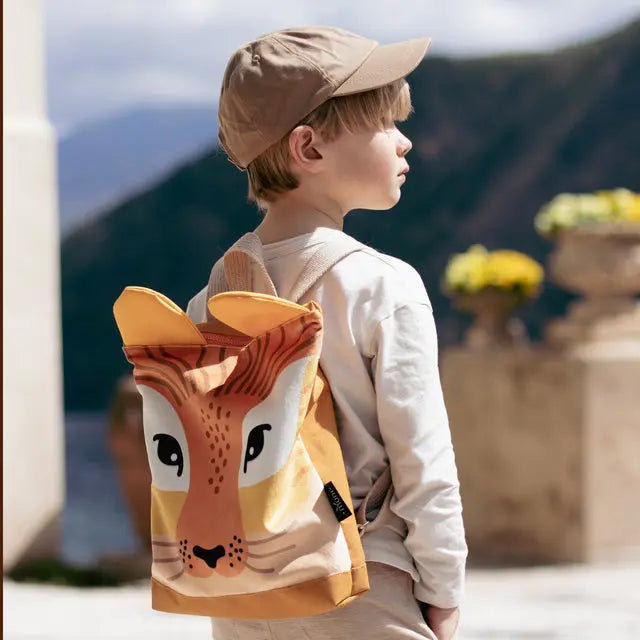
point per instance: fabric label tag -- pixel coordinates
(338, 505)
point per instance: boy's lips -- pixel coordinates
(405, 170)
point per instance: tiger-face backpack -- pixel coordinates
(251, 515)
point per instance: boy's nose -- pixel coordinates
(405, 145)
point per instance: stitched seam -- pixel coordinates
(404, 305)
(311, 62)
(360, 65)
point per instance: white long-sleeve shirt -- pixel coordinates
(380, 356)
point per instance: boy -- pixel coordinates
(310, 114)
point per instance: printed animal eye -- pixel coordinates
(165, 441)
(279, 413)
(255, 443)
(169, 451)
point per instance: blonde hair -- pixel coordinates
(270, 174)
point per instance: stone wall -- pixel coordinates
(547, 444)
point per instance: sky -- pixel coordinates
(108, 56)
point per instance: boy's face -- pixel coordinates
(363, 170)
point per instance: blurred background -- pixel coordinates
(113, 177)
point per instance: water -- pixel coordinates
(95, 518)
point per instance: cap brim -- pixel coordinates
(385, 64)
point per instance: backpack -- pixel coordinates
(251, 514)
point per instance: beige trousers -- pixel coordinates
(388, 611)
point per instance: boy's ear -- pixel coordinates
(146, 317)
(254, 314)
(304, 142)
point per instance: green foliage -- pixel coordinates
(54, 571)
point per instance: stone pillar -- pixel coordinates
(33, 455)
(547, 444)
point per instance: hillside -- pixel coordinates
(104, 161)
(493, 138)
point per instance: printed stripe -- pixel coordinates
(286, 357)
(141, 368)
(254, 355)
(184, 363)
(240, 375)
(204, 377)
(203, 351)
(260, 368)
(269, 379)
(173, 366)
(177, 400)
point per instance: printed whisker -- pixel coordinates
(272, 553)
(176, 576)
(256, 570)
(162, 543)
(167, 559)
(265, 540)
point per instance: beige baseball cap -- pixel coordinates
(273, 82)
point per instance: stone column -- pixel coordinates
(33, 456)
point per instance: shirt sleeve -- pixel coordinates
(415, 429)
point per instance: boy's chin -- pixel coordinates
(392, 202)
(384, 204)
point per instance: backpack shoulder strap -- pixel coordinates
(196, 307)
(241, 268)
(321, 261)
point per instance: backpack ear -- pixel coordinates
(254, 314)
(146, 317)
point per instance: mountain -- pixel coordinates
(103, 162)
(494, 138)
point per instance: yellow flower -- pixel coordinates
(625, 204)
(465, 270)
(569, 210)
(633, 212)
(478, 269)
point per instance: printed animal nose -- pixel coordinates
(210, 556)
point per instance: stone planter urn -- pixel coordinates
(493, 325)
(125, 437)
(601, 262)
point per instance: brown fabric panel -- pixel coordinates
(305, 599)
(320, 437)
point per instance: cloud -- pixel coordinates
(105, 56)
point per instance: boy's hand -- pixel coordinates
(443, 622)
